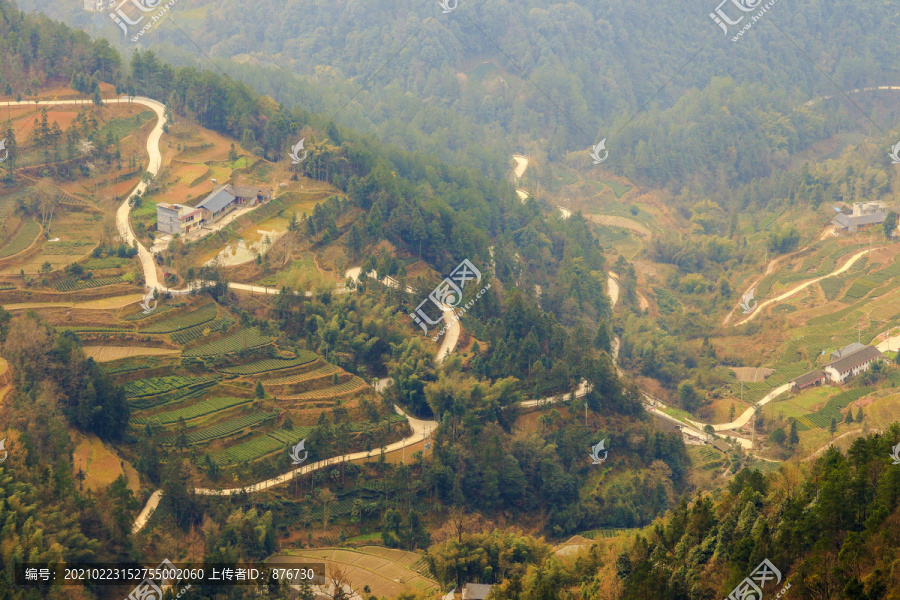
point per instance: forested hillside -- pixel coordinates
(471, 84)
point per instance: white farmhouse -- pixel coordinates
(852, 364)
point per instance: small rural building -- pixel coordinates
(720, 445)
(808, 380)
(852, 364)
(226, 198)
(475, 591)
(177, 218)
(864, 214)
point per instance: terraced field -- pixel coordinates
(22, 239)
(351, 387)
(195, 411)
(227, 428)
(193, 318)
(301, 377)
(242, 340)
(70, 284)
(271, 364)
(260, 446)
(173, 397)
(160, 385)
(194, 333)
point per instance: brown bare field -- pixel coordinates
(101, 466)
(752, 374)
(99, 304)
(110, 353)
(387, 572)
(25, 125)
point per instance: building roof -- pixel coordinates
(217, 200)
(841, 220)
(868, 218)
(808, 378)
(847, 350)
(166, 206)
(243, 192)
(720, 445)
(854, 360)
(475, 591)
(870, 206)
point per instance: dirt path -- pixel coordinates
(822, 449)
(748, 414)
(521, 165)
(145, 515)
(643, 303)
(612, 285)
(805, 285)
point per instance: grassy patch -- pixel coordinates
(22, 238)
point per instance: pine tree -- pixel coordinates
(833, 427)
(260, 390)
(793, 437)
(859, 416)
(849, 418)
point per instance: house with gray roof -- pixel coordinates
(226, 198)
(864, 214)
(852, 364)
(807, 380)
(847, 350)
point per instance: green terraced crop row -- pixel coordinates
(201, 409)
(97, 264)
(205, 313)
(228, 427)
(70, 284)
(128, 368)
(140, 316)
(326, 370)
(194, 333)
(159, 385)
(22, 239)
(832, 286)
(244, 339)
(271, 364)
(290, 437)
(173, 397)
(260, 446)
(354, 385)
(608, 235)
(860, 288)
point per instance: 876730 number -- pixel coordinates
(293, 574)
